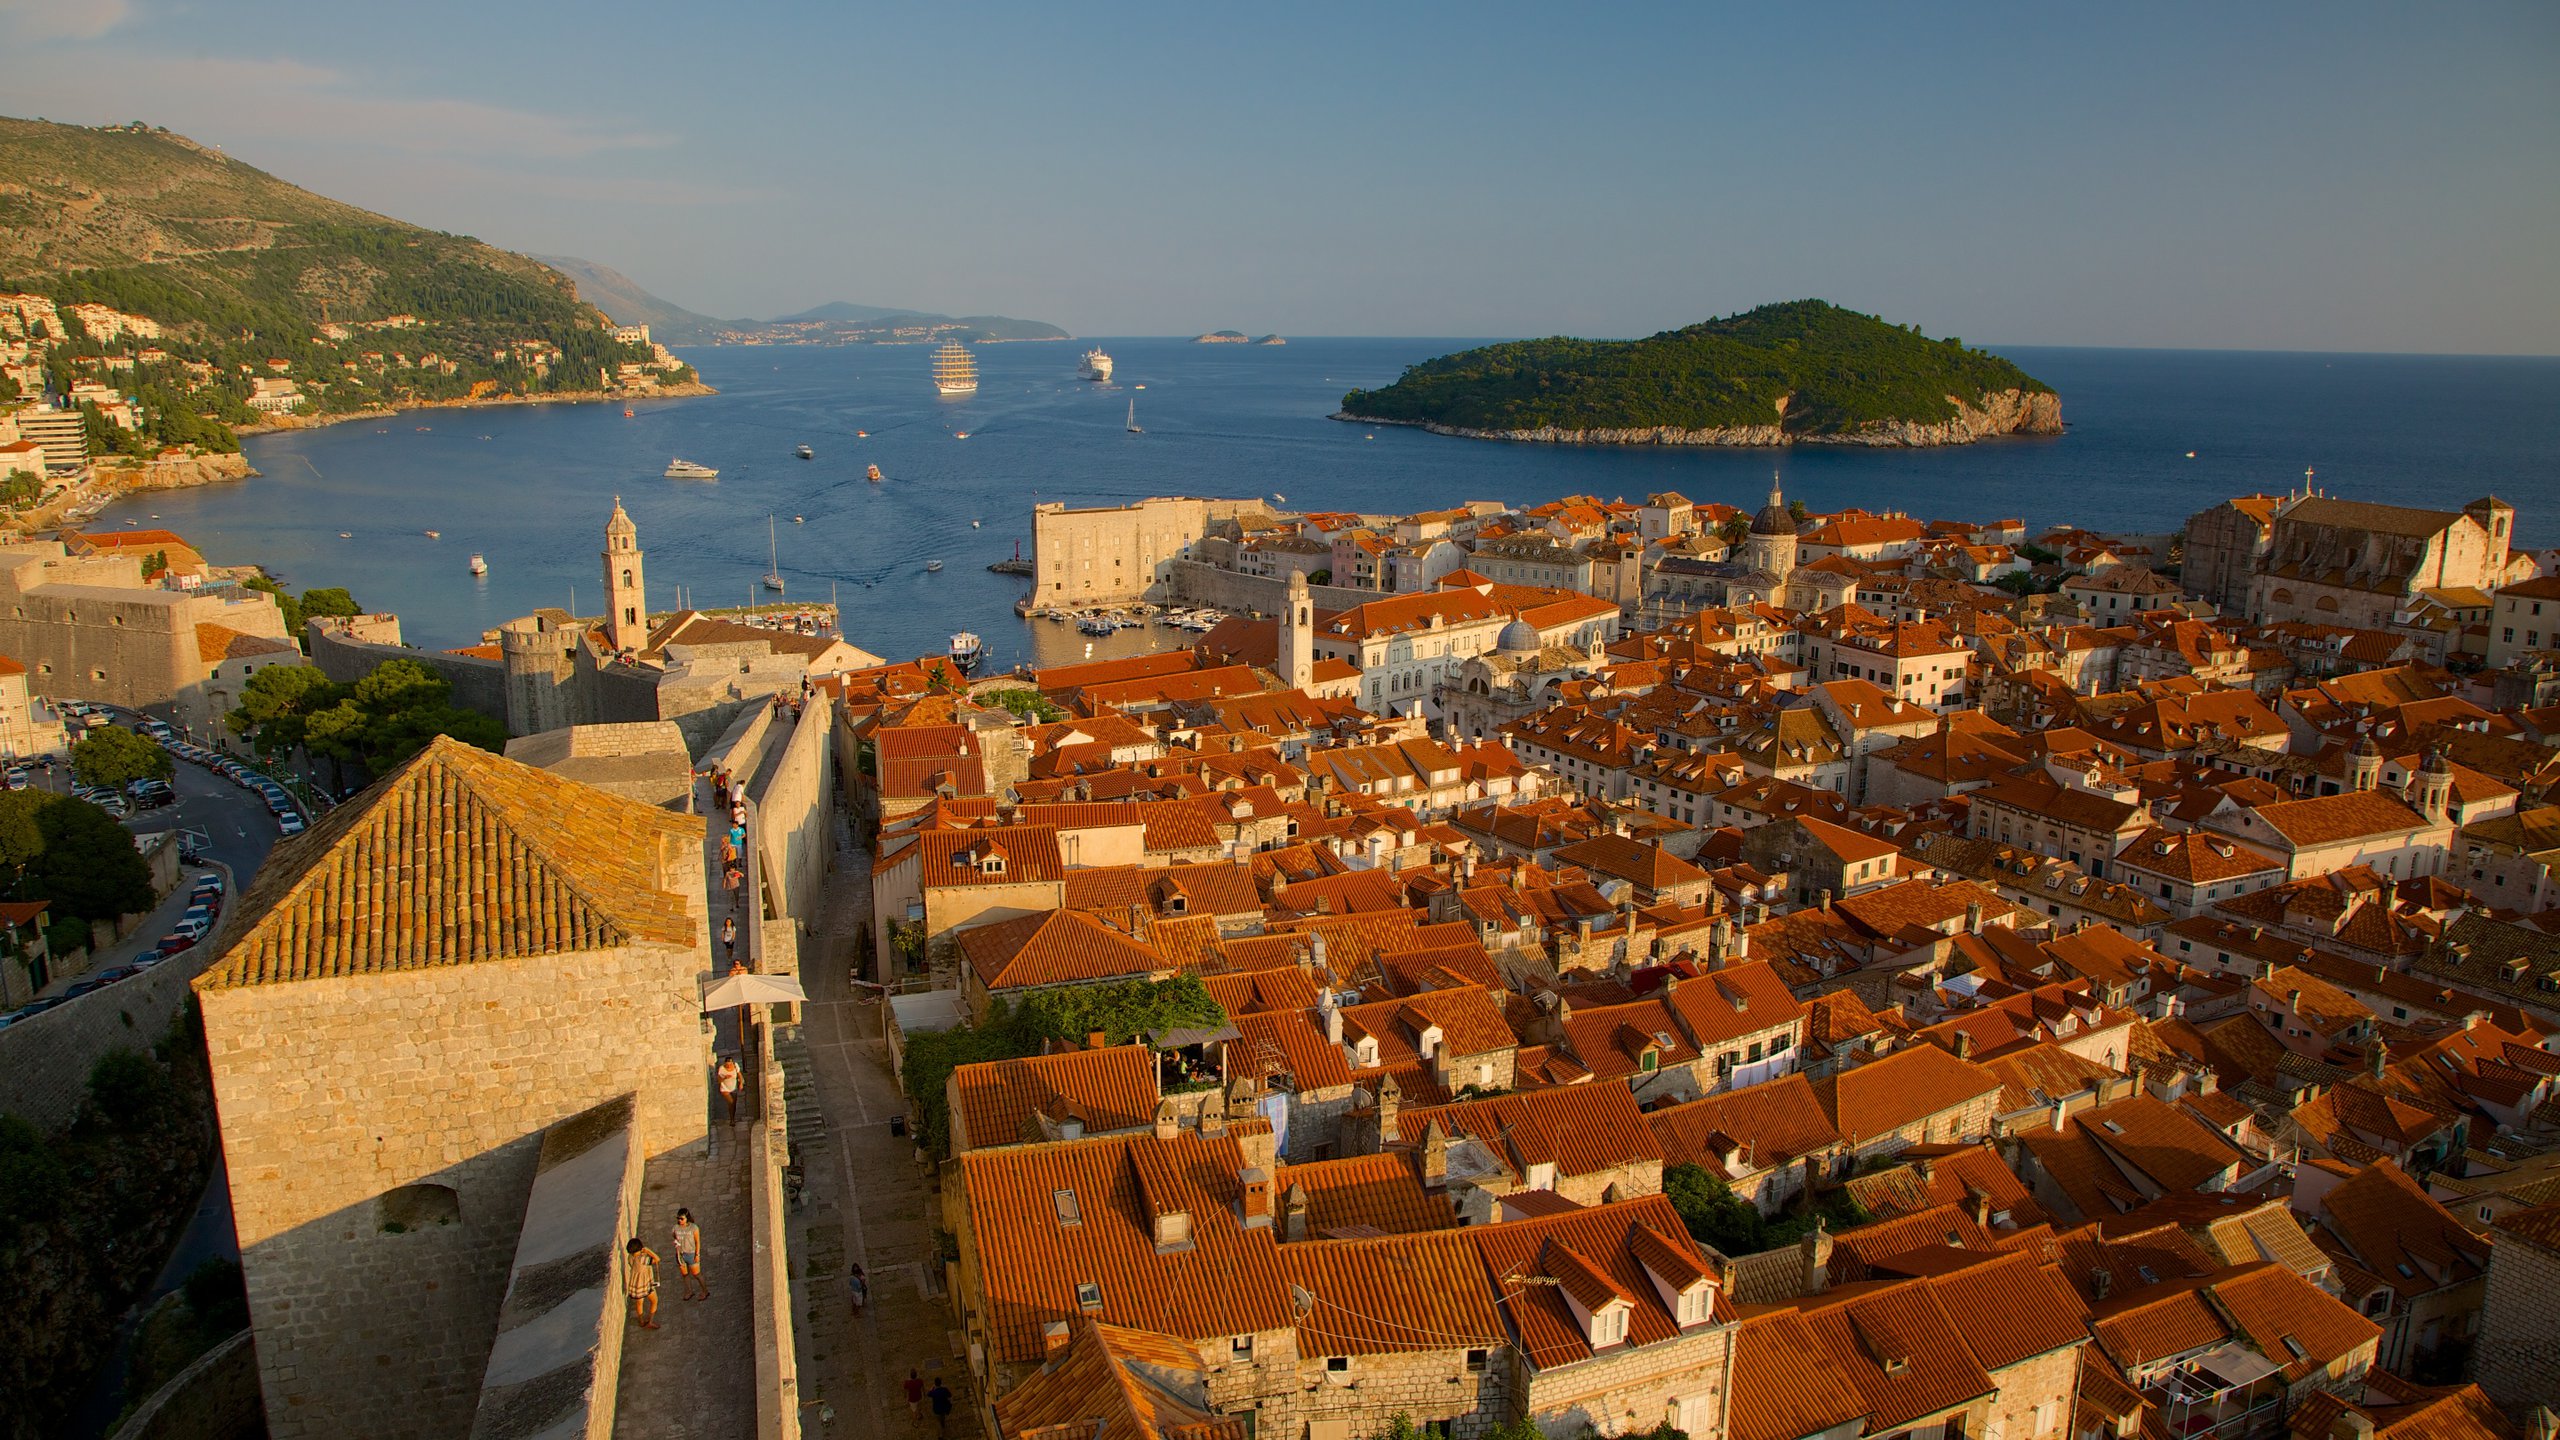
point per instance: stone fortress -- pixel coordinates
(550, 669)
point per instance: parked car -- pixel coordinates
(194, 928)
(291, 823)
(173, 945)
(152, 794)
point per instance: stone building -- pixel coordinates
(91, 628)
(2223, 548)
(2519, 1352)
(2352, 562)
(26, 728)
(551, 669)
(440, 972)
(1112, 554)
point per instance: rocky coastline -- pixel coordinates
(2006, 412)
(284, 423)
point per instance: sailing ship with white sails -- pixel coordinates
(955, 369)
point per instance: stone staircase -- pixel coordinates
(808, 1125)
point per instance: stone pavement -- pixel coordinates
(694, 1377)
(871, 1202)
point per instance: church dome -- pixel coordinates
(1519, 638)
(620, 524)
(1773, 518)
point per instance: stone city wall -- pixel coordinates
(792, 790)
(1633, 1389)
(216, 1398)
(45, 1059)
(777, 1357)
(478, 685)
(382, 1133)
(1192, 582)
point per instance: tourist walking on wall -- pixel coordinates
(640, 1277)
(733, 877)
(732, 1080)
(940, 1395)
(860, 1284)
(688, 1238)
(729, 936)
(915, 1395)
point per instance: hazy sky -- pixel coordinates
(2284, 176)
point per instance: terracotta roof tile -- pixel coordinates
(1054, 947)
(1910, 1085)
(1108, 1089)
(1599, 1239)
(1377, 1192)
(1392, 1294)
(1579, 1129)
(461, 856)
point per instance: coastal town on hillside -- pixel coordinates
(1589, 968)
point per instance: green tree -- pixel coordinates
(1029, 704)
(128, 1090)
(32, 1179)
(1716, 1217)
(334, 600)
(112, 755)
(88, 868)
(1734, 528)
(276, 705)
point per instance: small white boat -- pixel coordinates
(959, 434)
(977, 524)
(687, 470)
(932, 567)
(346, 534)
(1279, 499)
(479, 566)
(805, 453)
(872, 475)
(799, 520)
(966, 650)
(435, 534)
(2191, 454)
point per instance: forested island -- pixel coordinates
(1805, 371)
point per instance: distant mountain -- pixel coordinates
(231, 271)
(1805, 371)
(842, 322)
(621, 297)
(841, 310)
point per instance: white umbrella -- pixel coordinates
(731, 991)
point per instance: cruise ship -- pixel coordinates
(1095, 366)
(955, 370)
(687, 470)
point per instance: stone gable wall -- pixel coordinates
(334, 1092)
(1633, 1389)
(2519, 1352)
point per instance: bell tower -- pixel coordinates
(626, 591)
(1298, 635)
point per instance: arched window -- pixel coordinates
(416, 1207)
(626, 577)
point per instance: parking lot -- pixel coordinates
(221, 819)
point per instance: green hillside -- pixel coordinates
(1835, 372)
(242, 270)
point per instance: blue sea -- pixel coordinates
(530, 487)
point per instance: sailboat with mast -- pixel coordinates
(1133, 418)
(773, 547)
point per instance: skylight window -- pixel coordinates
(1067, 1213)
(1088, 1296)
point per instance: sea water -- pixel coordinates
(530, 487)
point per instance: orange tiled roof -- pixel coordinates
(1907, 1086)
(1050, 1218)
(1054, 947)
(1109, 1089)
(1579, 1129)
(1785, 1383)
(461, 856)
(1392, 1294)
(1363, 1193)
(1600, 1238)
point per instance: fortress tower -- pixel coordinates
(1298, 635)
(626, 591)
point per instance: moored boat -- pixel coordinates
(967, 649)
(479, 566)
(872, 475)
(682, 469)
(805, 453)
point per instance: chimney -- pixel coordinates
(1824, 899)
(1973, 918)
(1435, 1158)
(2351, 1425)
(1331, 1009)
(1964, 1045)
(1257, 1197)
(1390, 1099)
(1095, 1040)
(2102, 1283)
(1167, 1126)
(1293, 1214)
(1213, 1122)
(1053, 1337)
(2373, 1059)
(1814, 1251)
(1977, 1203)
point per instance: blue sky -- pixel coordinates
(2333, 176)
